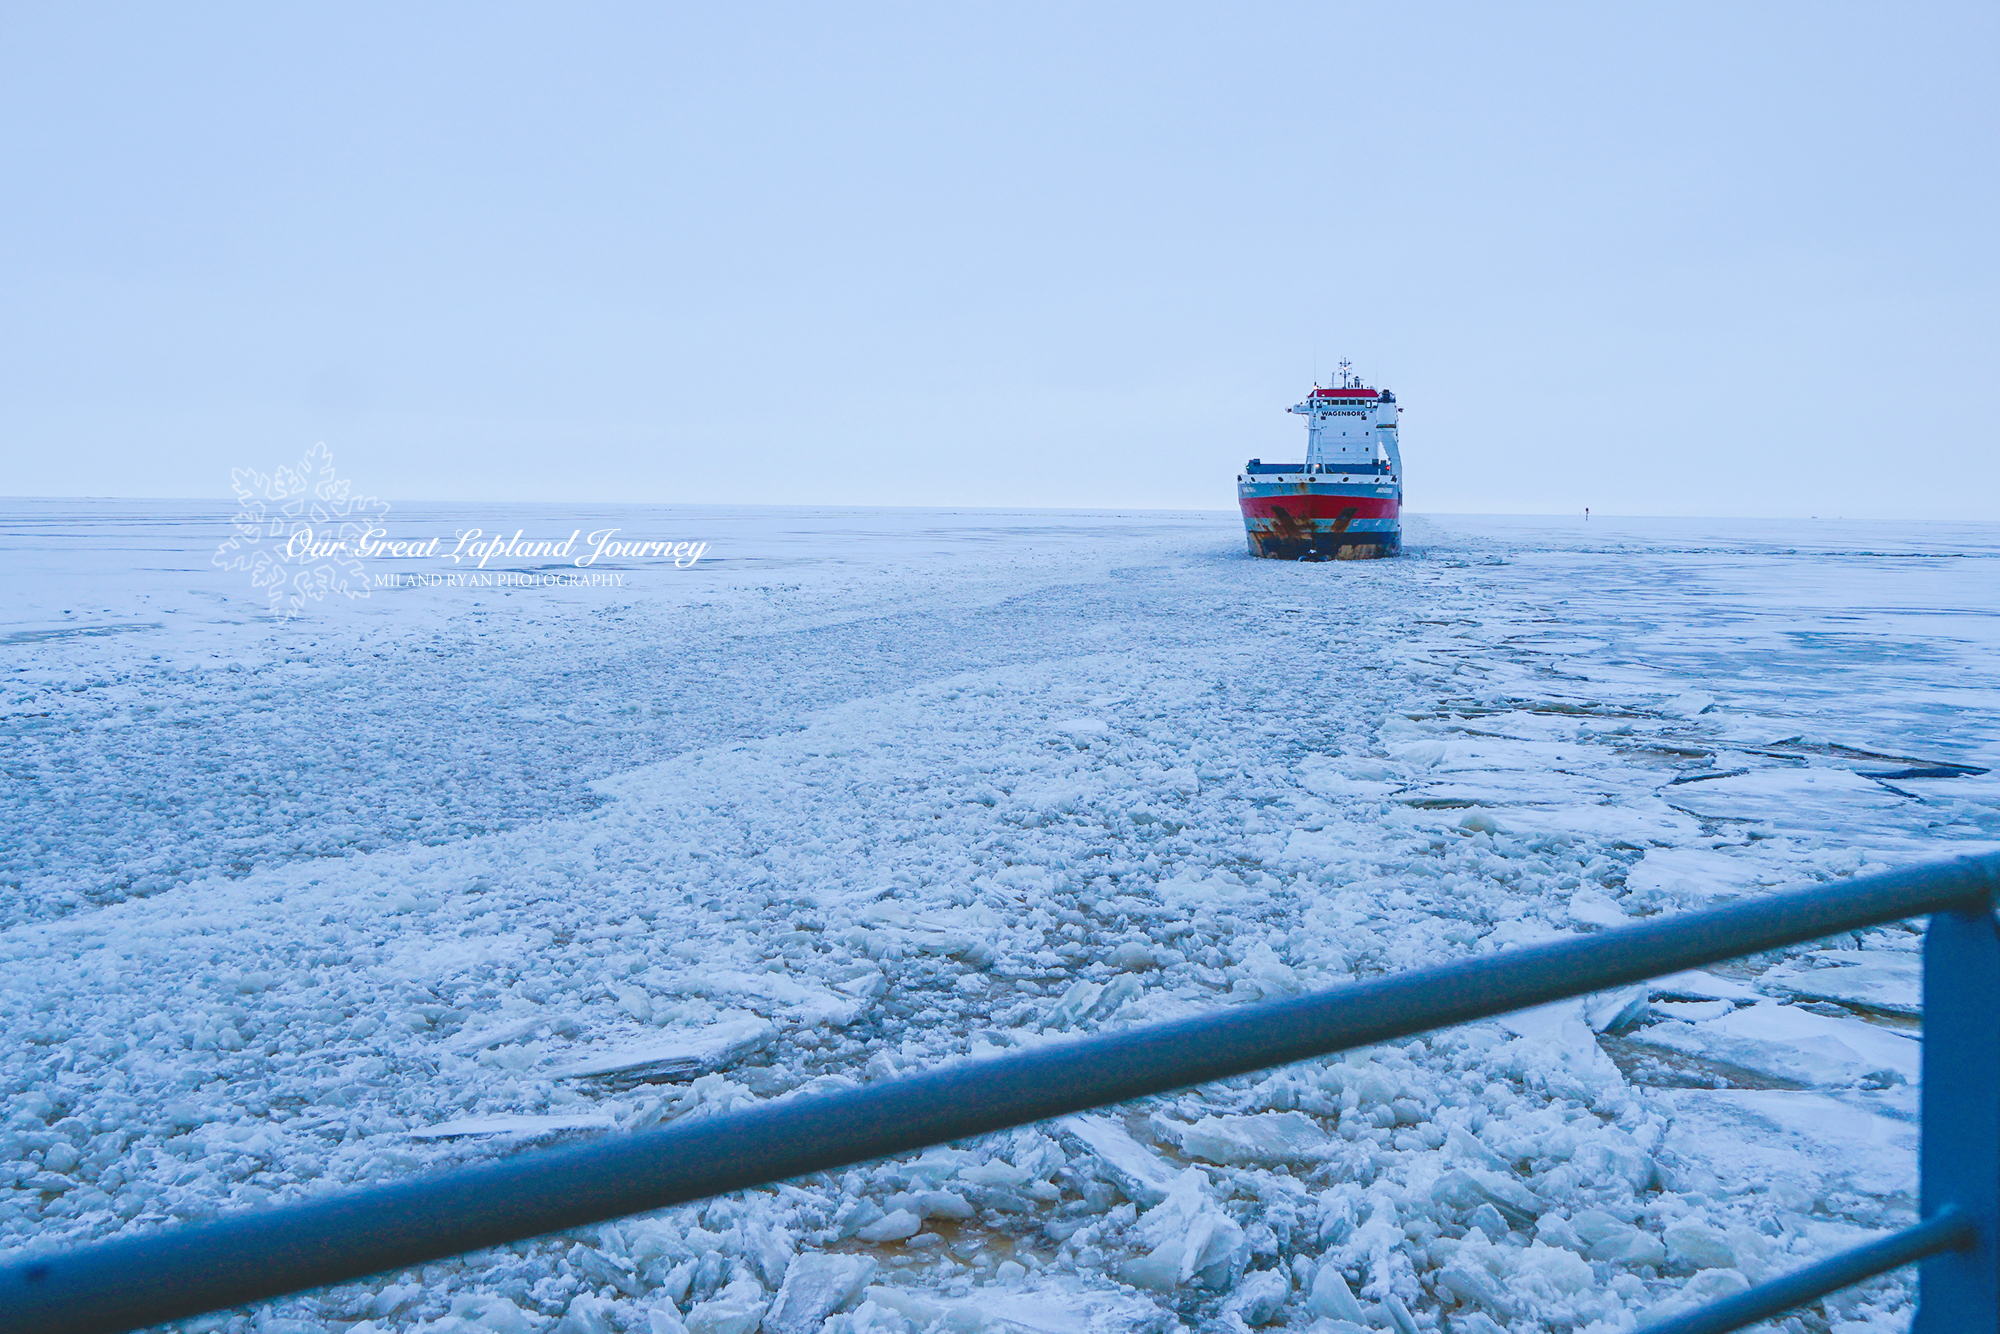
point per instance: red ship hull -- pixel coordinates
(1322, 524)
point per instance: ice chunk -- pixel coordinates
(673, 1055)
(588, 1314)
(1590, 907)
(1467, 1188)
(1610, 1009)
(1474, 1286)
(635, 1001)
(1695, 1243)
(501, 1032)
(893, 1226)
(1159, 1269)
(1558, 1021)
(1704, 986)
(998, 1172)
(930, 936)
(1117, 992)
(866, 984)
(1331, 1297)
(1421, 754)
(1488, 1220)
(1688, 705)
(1263, 975)
(817, 1285)
(484, 1313)
(1814, 799)
(1325, 777)
(1822, 1143)
(1060, 1306)
(933, 1204)
(662, 1318)
(871, 1317)
(815, 1005)
(1133, 956)
(1471, 1146)
(1558, 1049)
(768, 1250)
(1707, 1286)
(1073, 1005)
(858, 1212)
(1610, 1155)
(1557, 1270)
(1471, 1322)
(603, 1269)
(737, 1309)
(514, 1126)
(1555, 1230)
(1138, 1171)
(1890, 983)
(1789, 1043)
(1595, 1225)
(1266, 1139)
(1629, 1246)
(1259, 1297)
(1189, 1230)
(1692, 1012)
(1693, 874)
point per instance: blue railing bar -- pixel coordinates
(1960, 1164)
(1946, 1231)
(130, 1282)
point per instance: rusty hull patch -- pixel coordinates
(1286, 536)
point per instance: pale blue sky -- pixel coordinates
(1722, 259)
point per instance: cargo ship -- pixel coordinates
(1345, 502)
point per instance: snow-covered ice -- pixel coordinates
(451, 872)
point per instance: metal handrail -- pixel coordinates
(1947, 1230)
(129, 1282)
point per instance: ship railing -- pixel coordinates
(129, 1282)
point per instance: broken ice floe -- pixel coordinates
(1692, 1012)
(509, 1030)
(1790, 798)
(1699, 984)
(1697, 875)
(1590, 907)
(1091, 1000)
(814, 1005)
(1342, 776)
(1190, 1238)
(1873, 980)
(1060, 1306)
(1789, 1043)
(1266, 1139)
(816, 1286)
(514, 1127)
(1143, 1175)
(1845, 1153)
(738, 1309)
(671, 1056)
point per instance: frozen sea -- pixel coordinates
(288, 904)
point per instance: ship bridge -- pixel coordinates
(1347, 423)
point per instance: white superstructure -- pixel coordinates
(1347, 424)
